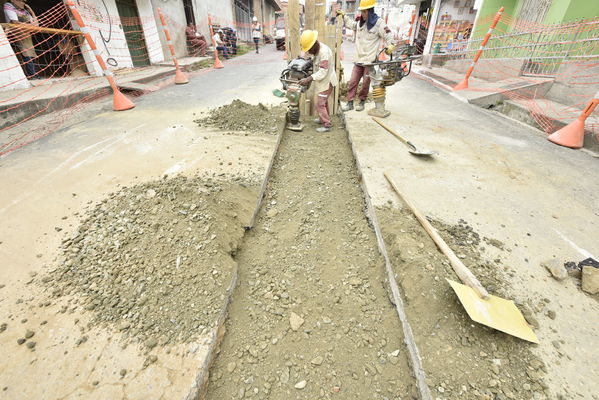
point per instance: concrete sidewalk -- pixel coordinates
(51, 95)
(509, 183)
(523, 98)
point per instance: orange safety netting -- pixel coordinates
(48, 69)
(552, 71)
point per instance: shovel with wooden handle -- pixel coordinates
(411, 147)
(486, 309)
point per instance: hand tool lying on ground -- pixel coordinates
(411, 147)
(492, 311)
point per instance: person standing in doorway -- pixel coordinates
(18, 12)
(256, 32)
(324, 76)
(370, 29)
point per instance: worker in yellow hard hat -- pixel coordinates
(324, 76)
(370, 30)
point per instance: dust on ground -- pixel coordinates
(241, 116)
(462, 359)
(153, 261)
(311, 318)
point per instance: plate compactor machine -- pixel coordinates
(388, 73)
(382, 74)
(296, 70)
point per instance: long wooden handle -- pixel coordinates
(391, 131)
(465, 275)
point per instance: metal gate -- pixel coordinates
(134, 33)
(243, 19)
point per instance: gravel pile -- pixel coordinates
(241, 116)
(153, 261)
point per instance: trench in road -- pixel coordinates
(311, 317)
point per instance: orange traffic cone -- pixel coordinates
(462, 85)
(217, 63)
(121, 102)
(180, 77)
(572, 135)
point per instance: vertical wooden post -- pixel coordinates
(320, 26)
(310, 23)
(338, 66)
(293, 27)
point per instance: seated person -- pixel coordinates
(219, 40)
(196, 40)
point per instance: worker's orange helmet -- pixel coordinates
(366, 4)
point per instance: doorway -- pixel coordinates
(189, 15)
(57, 53)
(134, 33)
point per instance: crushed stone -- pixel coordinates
(241, 116)
(153, 261)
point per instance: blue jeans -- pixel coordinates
(224, 50)
(29, 66)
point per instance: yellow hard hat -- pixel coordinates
(366, 4)
(308, 39)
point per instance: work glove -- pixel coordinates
(390, 49)
(306, 81)
(341, 13)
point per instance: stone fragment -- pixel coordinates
(317, 360)
(123, 372)
(590, 279)
(29, 334)
(231, 367)
(301, 384)
(295, 321)
(555, 267)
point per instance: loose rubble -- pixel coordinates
(241, 116)
(555, 267)
(590, 279)
(153, 261)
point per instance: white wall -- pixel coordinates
(102, 17)
(176, 23)
(103, 20)
(12, 76)
(152, 26)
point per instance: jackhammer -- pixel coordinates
(387, 73)
(296, 70)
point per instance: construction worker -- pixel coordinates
(324, 76)
(256, 32)
(370, 29)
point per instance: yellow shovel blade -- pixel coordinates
(494, 312)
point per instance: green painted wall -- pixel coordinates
(488, 11)
(557, 11)
(582, 10)
(569, 10)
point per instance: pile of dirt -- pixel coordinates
(153, 261)
(241, 116)
(462, 359)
